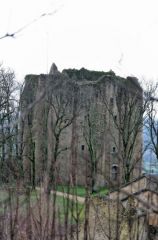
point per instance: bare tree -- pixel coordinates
(126, 109)
(151, 123)
(60, 102)
(93, 126)
(8, 114)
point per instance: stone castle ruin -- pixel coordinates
(82, 125)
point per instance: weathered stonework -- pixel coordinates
(84, 92)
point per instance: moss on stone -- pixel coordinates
(86, 74)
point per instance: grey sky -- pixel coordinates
(121, 35)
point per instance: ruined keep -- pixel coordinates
(72, 119)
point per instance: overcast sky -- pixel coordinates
(121, 35)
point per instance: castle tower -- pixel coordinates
(82, 121)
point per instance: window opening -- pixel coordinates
(82, 147)
(114, 172)
(111, 101)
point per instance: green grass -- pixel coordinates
(101, 193)
(62, 204)
(81, 191)
(74, 210)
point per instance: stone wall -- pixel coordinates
(79, 94)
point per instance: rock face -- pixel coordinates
(72, 123)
